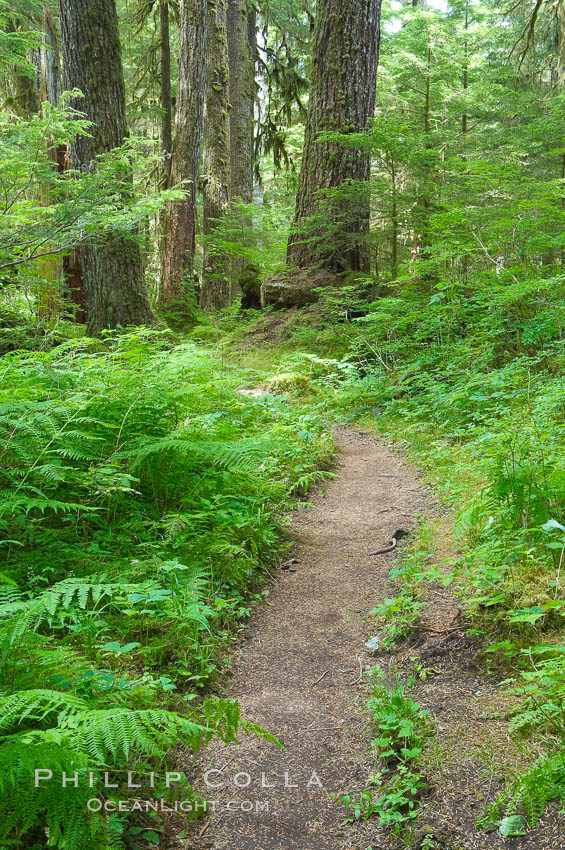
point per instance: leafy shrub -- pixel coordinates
(400, 726)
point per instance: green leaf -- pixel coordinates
(553, 525)
(513, 825)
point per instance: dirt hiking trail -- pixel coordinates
(298, 671)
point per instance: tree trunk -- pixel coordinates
(464, 117)
(166, 103)
(50, 268)
(112, 268)
(51, 83)
(394, 217)
(331, 233)
(242, 48)
(179, 222)
(216, 290)
(23, 88)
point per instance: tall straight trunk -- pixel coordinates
(23, 98)
(216, 289)
(112, 268)
(342, 99)
(51, 83)
(464, 117)
(394, 218)
(179, 222)
(166, 103)
(50, 268)
(242, 49)
(421, 243)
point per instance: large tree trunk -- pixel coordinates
(179, 222)
(23, 88)
(216, 290)
(242, 48)
(50, 268)
(112, 268)
(330, 232)
(166, 103)
(51, 83)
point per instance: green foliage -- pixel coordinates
(400, 617)
(394, 801)
(527, 796)
(59, 733)
(139, 506)
(399, 722)
(47, 209)
(400, 726)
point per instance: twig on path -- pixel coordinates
(360, 677)
(325, 728)
(441, 631)
(207, 824)
(321, 677)
(447, 598)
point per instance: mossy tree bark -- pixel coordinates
(112, 269)
(331, 232)
(216, 287)
(242, 49)
(50, 268)
(179, 221)
(166, 103)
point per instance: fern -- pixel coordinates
(84, 741)
(35, 707)
(138, 499)
(530, 793)
(241, 456)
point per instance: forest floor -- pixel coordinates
(300, 671)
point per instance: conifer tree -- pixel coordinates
(112, 267)
(342, 100)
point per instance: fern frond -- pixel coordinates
(36, 706)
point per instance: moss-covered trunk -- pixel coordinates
(216, 286)
(112, 269)
(166, 102)
(329, 229)
(242, 48)
(179, 221)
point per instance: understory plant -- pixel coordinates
(400, 726)
(141, 501)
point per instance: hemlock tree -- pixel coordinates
(166, 101)
(179, 221)
(329, 231)
(215, 275)
(242, 51)
(112, 267)
(241, 46)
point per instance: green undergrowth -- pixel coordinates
(400, 726)
(470, 380)
(142, 505)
